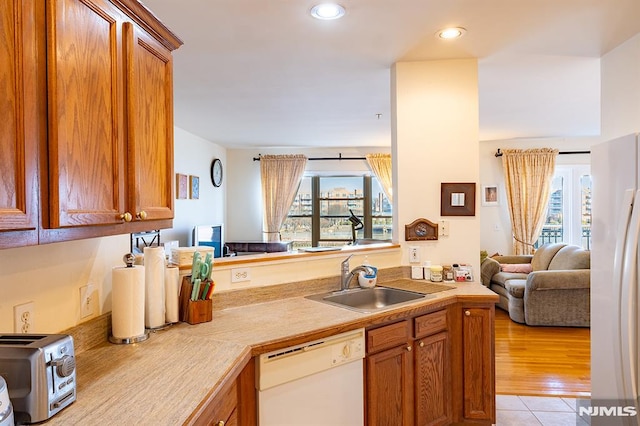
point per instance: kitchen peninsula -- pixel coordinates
(205, 374)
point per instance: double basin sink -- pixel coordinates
(369, 299)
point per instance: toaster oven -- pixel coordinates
(40, 371)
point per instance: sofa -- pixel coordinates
(238, 248)
(548, 288)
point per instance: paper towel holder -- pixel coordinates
(129, 259)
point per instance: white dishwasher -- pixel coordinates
(317, 383)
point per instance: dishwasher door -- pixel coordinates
(318, 383)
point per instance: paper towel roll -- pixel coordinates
(154, 287)
(127, 295)
(171, 293)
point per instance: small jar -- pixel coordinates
(426, 267)
(436, 273)
(447, 273)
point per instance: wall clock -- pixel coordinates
(216, 172)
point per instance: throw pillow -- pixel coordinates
(524, 268)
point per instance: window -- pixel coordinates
(321, 209)
(569, 212)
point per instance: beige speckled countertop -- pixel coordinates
(163, 380)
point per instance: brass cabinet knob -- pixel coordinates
(409, 348)
(467, 313)
(141, 215)
(126, 216)
(421, 344)
(220, 423)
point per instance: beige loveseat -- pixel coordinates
(556, 292)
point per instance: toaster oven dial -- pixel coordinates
(65, 365)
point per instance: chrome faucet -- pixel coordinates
(346, 276)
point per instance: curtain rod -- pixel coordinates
(499, 153)
(339, 157)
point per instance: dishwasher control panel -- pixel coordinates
(347, 351)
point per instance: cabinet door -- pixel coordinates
(149, 89)
(84, 77)
(390, 387)
(18, 126)
(478, 364)
(433, 380)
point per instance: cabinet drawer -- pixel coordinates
(430, 323)
(388, 336)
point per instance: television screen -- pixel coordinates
(209, 235)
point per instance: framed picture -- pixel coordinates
(457, 199)
(194, 187)
(182, 186)
(490, 195)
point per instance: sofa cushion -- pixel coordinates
(543, 256)
(502, 277)
(516, 288)
(571, 257)
(524, 268)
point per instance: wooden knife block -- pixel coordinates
(193, 311)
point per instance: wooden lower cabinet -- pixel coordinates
(234, 404)
(389, 396)
(410, 382)
(432, 380)
(478, 363)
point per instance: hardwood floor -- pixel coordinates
(541, 361)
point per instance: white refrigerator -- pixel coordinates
(615, 231)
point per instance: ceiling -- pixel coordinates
(264, 73)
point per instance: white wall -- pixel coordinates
(435, 140)
(620, 71)
(495, 224)
(244, 197)
(193, 156)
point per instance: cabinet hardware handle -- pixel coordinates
(409, 348)
(467, 313)
(220, 423)
(126, 216)
(142, 215)
(421, 344)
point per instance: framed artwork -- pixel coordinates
(182, 186)
(490, 195)
(194, 187)
(457, 199)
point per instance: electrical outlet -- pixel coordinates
(414, 254)
(23, 316)
(240, 274)
(88, 300)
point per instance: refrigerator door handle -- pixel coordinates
(625, 325)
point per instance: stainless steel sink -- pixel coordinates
(368, 299)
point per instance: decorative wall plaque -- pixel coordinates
(421, 229)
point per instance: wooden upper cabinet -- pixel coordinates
(19, 130)
(149, 107)
(86, 124)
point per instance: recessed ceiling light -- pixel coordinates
(327, 11)
(449, 33)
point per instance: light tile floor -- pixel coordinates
(513, 410)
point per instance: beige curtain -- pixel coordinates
(528, 175)
(380, 165)
(281, 176)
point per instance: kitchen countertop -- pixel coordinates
(163, 379)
